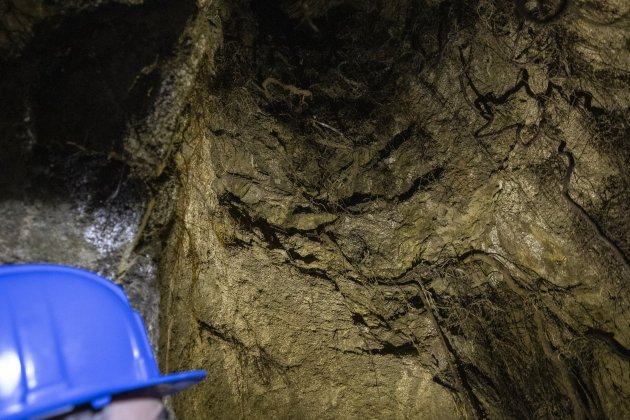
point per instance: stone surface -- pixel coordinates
(372, 220)
(361, 209)
(92, 96)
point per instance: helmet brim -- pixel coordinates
(171, 384)
(161, 386)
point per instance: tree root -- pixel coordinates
(582, 213)
(462, 387)
(579, 411)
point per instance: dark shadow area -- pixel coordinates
(82, 81)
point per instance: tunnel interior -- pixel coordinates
(354, 192)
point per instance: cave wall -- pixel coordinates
(339, 208)
(405, 209)
(92, 94)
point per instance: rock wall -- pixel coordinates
(92, 93)
(351, 208)
(407, 209)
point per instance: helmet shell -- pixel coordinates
(70, 337)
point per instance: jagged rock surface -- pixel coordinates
(92, 93)
(406, 210)
(380, 209)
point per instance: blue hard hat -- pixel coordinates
(69, 337)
